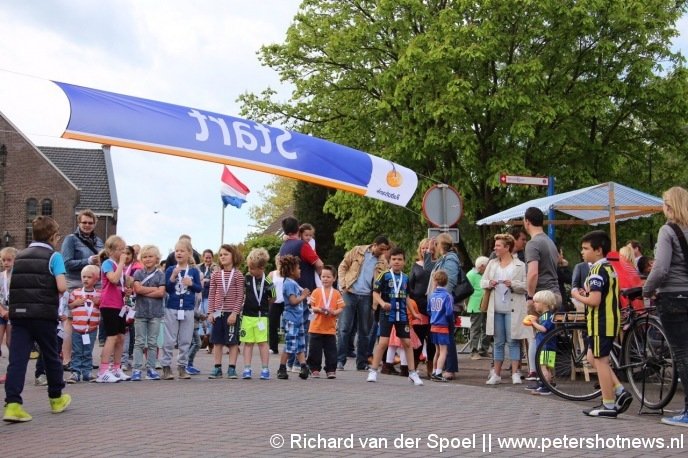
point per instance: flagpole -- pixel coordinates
(222, 235)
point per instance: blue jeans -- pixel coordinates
(195, 345)
(82, 354)
(673, 313)
(146, 331)
(358, 305)
(502, 337)
(24, 333)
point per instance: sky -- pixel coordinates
(199, 54)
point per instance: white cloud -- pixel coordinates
(200, 54)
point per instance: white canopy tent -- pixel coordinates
(603, 203)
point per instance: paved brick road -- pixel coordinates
(202, 417)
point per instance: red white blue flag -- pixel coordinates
(233, 191)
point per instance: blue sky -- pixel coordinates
(200, 54)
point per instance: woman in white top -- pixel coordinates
(506, 277)
(276, 308)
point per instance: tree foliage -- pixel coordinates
(461, 91)
(272, 243)
(276, 197)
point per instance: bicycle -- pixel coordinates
(642, 346)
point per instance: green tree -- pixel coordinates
(272, 243)
(276, 198)
(461, 91)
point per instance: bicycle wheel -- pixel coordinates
(647, 357)
(572, 377)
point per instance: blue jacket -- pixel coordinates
(441, 308)
(76, 253)
(180, 296)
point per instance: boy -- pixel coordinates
(294, 303)
(33, 312)
(389, 293)
(544, 302)
(601, 297)
(7, 256)
(441, 311)
(85, 306)
(326, 303)
(259, 294)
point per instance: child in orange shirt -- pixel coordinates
(326, 303)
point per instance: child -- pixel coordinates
(294, 305)
(395, 347)
(131, 266)
(7, 256)
(149, 286)
(33, 312)
(327, 303)
(390, 292)
(85, 306)
(544, 302)
(183, 281)
(601, 296)
(114, 284)
(307, 234)
(259, 294)
(276, 308)
(441, 311)
(225, 302)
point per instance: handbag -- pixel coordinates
(485, 301)
(463, 288)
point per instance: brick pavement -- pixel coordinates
(239, 417)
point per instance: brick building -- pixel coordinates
(58, 182)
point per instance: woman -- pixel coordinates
(447, 260)
(668, 281)
(418, 284)
(79, 250)
(506, 277)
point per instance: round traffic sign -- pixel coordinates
(442, 205)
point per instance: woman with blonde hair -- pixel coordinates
(418, 285)
(668, 282)
(506, 278)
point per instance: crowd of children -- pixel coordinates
(154, 301)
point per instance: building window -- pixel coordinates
(31, 213)
(47, 207)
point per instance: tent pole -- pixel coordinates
(612, 215)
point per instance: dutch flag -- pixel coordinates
(232, 191)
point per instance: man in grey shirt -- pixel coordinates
(541, 258)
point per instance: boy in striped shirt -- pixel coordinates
(84, 303)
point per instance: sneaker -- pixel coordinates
(183, 375)
(136, 376)
(158, 366)
(623, 401)
(192, 370)
(107, 377)
(121, 375)
(282, 374)
(533, 386)
(296, 369)
(304, 372)
(215, 373)
(231, 373)
(438, 378)
(331, 375)
(678, 420)
(73, 378)
(531, 376)
(152, 374)
(41, 380)
(475, 355)
(167, 373)
(372, 376)
(315, 374)
(58, 405)
(413, 376)
(516, 378)
(491, 374)
(601, 411)
(340, 366)
(15, 413)
(494, 380)
(541, 391)
(265, 374)
(247, 374)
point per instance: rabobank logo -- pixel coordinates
(394, 178)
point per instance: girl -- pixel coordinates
(276, 308)
(114, 284)
(7, 256)
(130, 268)
(183, 281)
(225, 303)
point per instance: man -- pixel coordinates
(520, 239)
(360, 266)
(640, 261)
(310, 262)
(541, 258)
